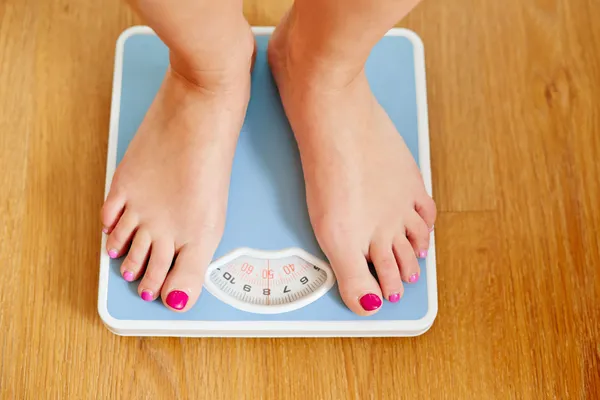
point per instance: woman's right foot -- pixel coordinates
(168, 197)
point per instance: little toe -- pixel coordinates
(417, 233)
(427, 210)
(388, 272)
(184, 282)
(357, 285)
(121, 235)
(137, 257)
(407, 261)
(112, 209)
(159, 262)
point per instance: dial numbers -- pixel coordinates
(269, 282)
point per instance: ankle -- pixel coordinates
(308, 60)
(225, 63)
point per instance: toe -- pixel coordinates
(161, 258)
(137, 257)
(405, 256)
(184, 283)
(122, 234)
(427, 210)
(111, 211)
(383, 258)
(358, 287)
(417, 232)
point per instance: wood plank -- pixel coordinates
(16, 110)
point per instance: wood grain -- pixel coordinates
(515, 122)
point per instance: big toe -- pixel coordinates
(184, 282)
(358, 287)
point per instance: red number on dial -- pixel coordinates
(247, 268)
(288, 269)
(267, 273)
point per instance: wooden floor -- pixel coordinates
(514, 92)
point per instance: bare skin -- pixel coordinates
(366, 197)
(167, 202)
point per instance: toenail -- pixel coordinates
(370, 302)
(394, 298)
(113, 253)
(105, 230)
(177, 299)
(423, 254)
(128, 276)
(147, 295)
(413, 278)
(431, 229)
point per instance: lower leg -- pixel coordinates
(366, 198)
(209, 41)
(335, 37)
(167, 200)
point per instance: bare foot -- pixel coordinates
(168, 196)
(365, 194)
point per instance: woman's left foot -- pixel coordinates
(366, 197)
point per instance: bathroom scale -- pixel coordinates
(268, 276)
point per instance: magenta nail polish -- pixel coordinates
(423, 254)
(394, 298)
(147, 295)
(105, 230)
(128, 276)
(370, 302)
(112, 253)
(413, 278)
(177, 299)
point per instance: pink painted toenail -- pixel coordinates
(423, 254)
(431, 229)
(128, 276)
(105, 230)
(112, 253)
(413, 278)
(394, 298)
(147, 295)
(370, 302)
(177, 299)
